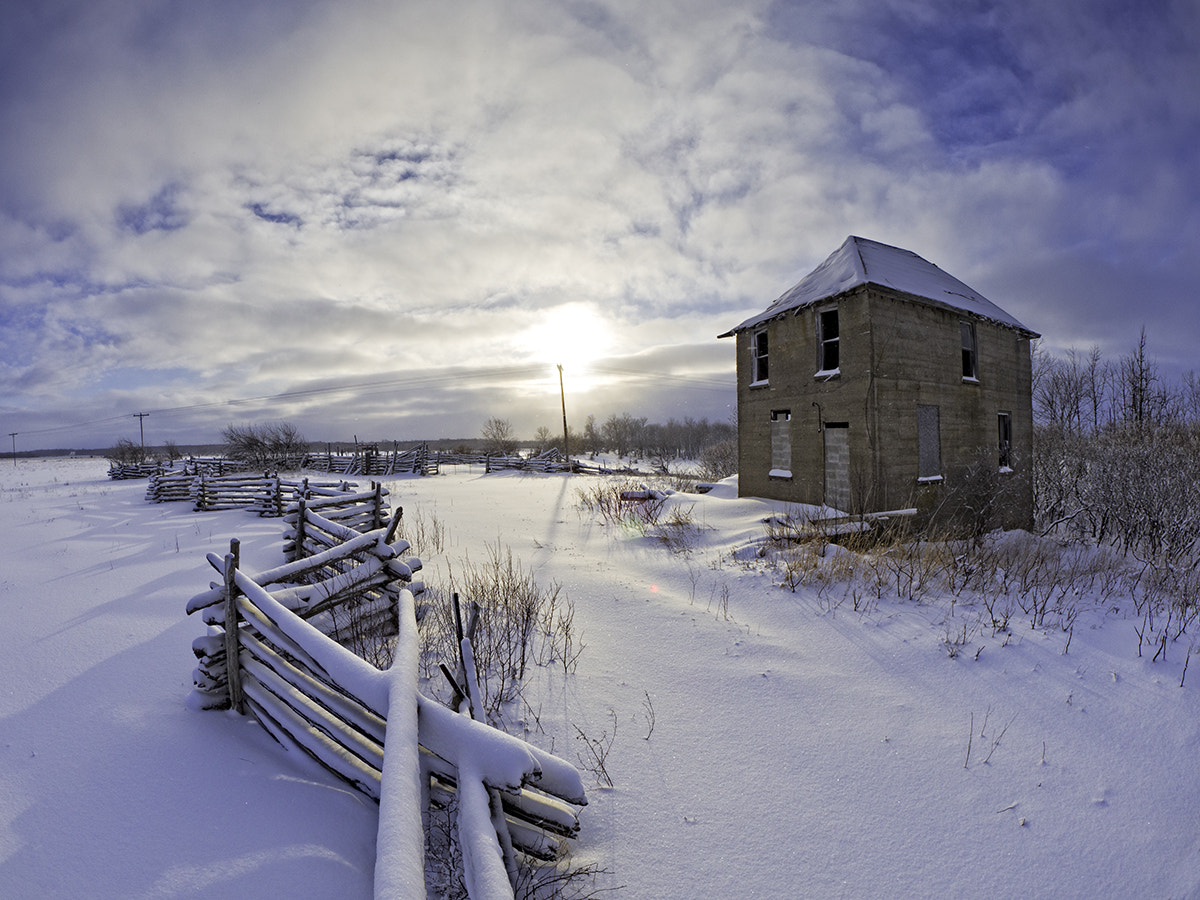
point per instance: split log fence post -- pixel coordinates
(378, 511)
(301, 517)
(232, 647)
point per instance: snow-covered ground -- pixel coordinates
(795, 749)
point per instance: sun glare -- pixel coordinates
(572, 336)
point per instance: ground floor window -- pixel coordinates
(781, 443)
(929, 443)
(1004, 423)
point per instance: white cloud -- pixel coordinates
(267, 198)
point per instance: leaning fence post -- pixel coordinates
(232, 644)
(301, 507)
(394, 525)
(377, 520)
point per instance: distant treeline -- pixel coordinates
(629, 435)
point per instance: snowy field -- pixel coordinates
(795, 748)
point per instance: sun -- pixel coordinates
(573, 336)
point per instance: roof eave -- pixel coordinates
(760, 320)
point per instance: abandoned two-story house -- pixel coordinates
(881, 382)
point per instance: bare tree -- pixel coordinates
(543, 439)
(497, 437)
(624, 433)
(1143, 398)
(592, 440)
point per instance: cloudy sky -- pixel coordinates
(394, 219)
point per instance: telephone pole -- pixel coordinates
(13, 435)
(563, 394)
(141, 417)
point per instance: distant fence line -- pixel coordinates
(371, 462)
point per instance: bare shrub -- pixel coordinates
(594, 756)
(520, 623)
(126, 451)
(719, 460)
(622, 501)
(424, 531)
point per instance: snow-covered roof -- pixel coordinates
(860, 261)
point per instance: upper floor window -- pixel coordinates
(970, 355)
(828, 344)
(758, 357)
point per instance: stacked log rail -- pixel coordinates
(118, 471)
(345, 514)
(267, 495)
(323, 547)
(373, 728)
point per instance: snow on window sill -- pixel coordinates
(763, 383)
(929, 479)
(779, 473)
(826, 374)
(967, 379)
(1006, 470)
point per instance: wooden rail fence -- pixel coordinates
(191, 466)
(372, 727)
(270, 495)
(370, 461)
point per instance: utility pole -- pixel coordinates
(563, 394)
(142, 428)
(13, 435)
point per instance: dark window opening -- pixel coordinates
(1004, 421)
(829, 349)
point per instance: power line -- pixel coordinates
(696, 380)
(490, 374)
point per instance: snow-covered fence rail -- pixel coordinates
(214, 465)
(119, 471)
(267, 495)
(193, 465)
(372, 727)
(264, 494)
(352, 511)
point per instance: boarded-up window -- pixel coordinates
(929, 442)
(781, 443)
